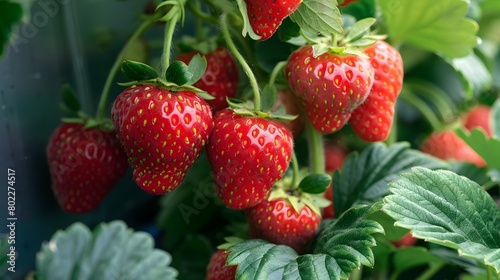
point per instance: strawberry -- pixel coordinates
(478, 116)
(287, 99)
(267, 15)
(448, 146)
(163, 133)
(406, 241)
(247, 155)
(334, 158)
(85, 164)
(329, 86)
(220, 79)
(346, 2)
(372, 120)
(278, 222)
(217, 268)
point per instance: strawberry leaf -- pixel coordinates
(447, 209)
(197, 67)
(487, 148)
(178, 73)
(335, 256)
(138, 71)
(474, 74)
(436, 26)
(269, 96)
(364, 177)
(70, 101)
(11, 14)
(288, 30)
(358, 29)
(111, 249)
(318, 16)
(315, 183)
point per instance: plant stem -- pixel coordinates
(101, 107)
(356, 274)
(241, 60)
(418, 103)
(195, 10)
(316, 149)
(295, 169)
(431, 271)
(393, 134)
(276, 71)
(167, 43)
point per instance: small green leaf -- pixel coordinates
(495, 119)
(445, 208)
(70, 101)
(138, 71)
(486, 147)
(269, 96)
(474, 74)
(10, 14)
(363, 178)
(288, 30)
(111, 249)
(197, 67)
(318, 16)
(359, 29)
(315, 183)
(247, 27)
(436, 26)
(178, 73)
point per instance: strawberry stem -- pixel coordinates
(316, 149)
(241, 60)
(277, 69)
(167, 43)
(101, 107)
(295, 169)
(424, 109)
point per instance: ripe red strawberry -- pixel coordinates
(287, 99)
(372, 120)
(85, 164)
(479, 116)
(163, 133)
(335, 155)
(448, 146)
(267, 15)
(247, 156)
(277, 221)
(329, 86)
(220, 79)
(406, 241)
(217, 269)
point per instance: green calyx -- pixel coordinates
(178, 76)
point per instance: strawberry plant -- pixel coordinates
(311, 139)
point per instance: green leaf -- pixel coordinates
(487, 148)
(360, 28)
(474, 74)
(436, 26)
(407, 258)
(349, 238)
(10, 14)
(190, 257)
(288, 30)
(315, 183)
(178, 73)
(247, 27)
(342, 246)
(495, 119)
(138, 71)
(109, 251)
(269, 96)
(318, 16)
(197, 67)
(445, 208)
(364, 177)
(471, 171)
(70, 101)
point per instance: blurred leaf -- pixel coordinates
(436, 26)
(10, 14)
(495, 119)
(70, 101)
(447, 209)
(192, 257)
(342, 246)
(471, 171)
(474, 74)
(452, 257)
(111, 251)
(364, 177)
(269, 96)
(392, 233)
(410, 257)
(487, 148)
(317, 16)
(288, 30)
